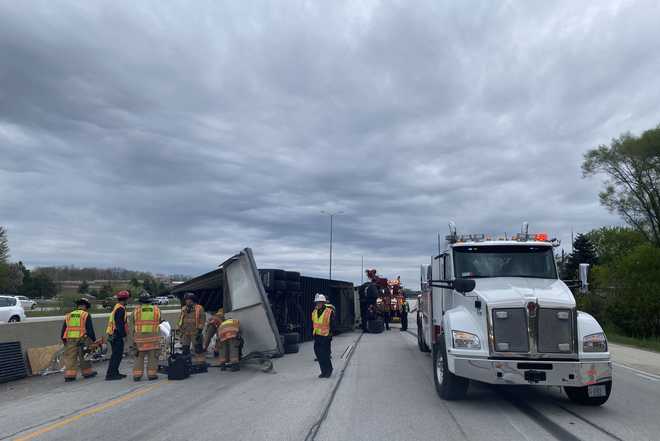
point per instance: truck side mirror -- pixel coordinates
(464, 285)
(583, 277)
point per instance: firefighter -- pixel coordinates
(387, 310)
(191, 326)
(405, 309)
(146, 337)
(229, 346)
(77, 332)
(323, 322)
(117, 331)
(212, 329)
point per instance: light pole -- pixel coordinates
(332, 215)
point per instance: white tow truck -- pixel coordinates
(495, 311)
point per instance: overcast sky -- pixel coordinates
(166, 136)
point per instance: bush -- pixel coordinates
(632, 292)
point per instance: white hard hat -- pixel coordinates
(320, 298)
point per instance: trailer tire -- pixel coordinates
(292, 286)
(291, 348)
(580, 395)
(291, 338)
(447, 385)
(279, 285)
(375, 326)
(292, 276)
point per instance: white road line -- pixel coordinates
(639, 373)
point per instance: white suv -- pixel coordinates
(26, 303)
(11, 310)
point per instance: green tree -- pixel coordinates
(633, 301)
(632, 189)
(612, 243)
(39, 285)
(583, 252)
(13, 280)
(105, 291)
(4, 257)
(83, 287)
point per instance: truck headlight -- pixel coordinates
(594, 343)
(465, 340)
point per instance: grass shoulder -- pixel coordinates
(649, 344)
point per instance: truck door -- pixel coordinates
(447, 294)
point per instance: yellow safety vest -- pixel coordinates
(76, 324)
(110, 329)
(147, 319)
(229, 329)
(322, 323)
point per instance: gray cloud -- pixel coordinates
(164, 138)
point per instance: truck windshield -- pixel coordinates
(505, 261)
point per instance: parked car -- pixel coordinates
(161, 300)
(11, 310)
(26, 303)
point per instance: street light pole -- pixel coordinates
(332, 215)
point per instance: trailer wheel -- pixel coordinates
(447, 385)
(291, 338)
(291, 348)
(580, 395)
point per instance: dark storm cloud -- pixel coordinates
(165, 137)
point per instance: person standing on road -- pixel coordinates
(405, 309)
(191, 327)
(323, 321)
(77, 332)
(387, 310)
(146, 337)
(117, 330)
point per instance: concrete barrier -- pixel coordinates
(46, 331)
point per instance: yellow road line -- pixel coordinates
(89, 412)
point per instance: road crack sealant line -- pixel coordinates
(314, 430)
(92, 409)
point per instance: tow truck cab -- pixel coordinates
(495, 311)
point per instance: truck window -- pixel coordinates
(504, 261)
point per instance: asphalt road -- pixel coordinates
(382, 389)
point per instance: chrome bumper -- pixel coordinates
(536, 372)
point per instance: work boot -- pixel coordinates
(114, 377)
(321, 375)
(153, 378)
(69, 380)
(235, 368)
(92, 375)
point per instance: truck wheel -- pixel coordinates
(580, 395)
(420, 339)
(448, 385)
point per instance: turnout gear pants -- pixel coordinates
(230, 351)
(194, 340)
(152, 364)
(117, 346)
(74, 358)
(322, 351)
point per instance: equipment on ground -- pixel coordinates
(179, 365)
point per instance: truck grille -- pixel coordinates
(510, 330)
(555, 331)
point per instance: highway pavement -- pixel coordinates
(382, 389)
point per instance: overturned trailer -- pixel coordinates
(269, 301)
(236, 287)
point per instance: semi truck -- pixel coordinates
(495, 311)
